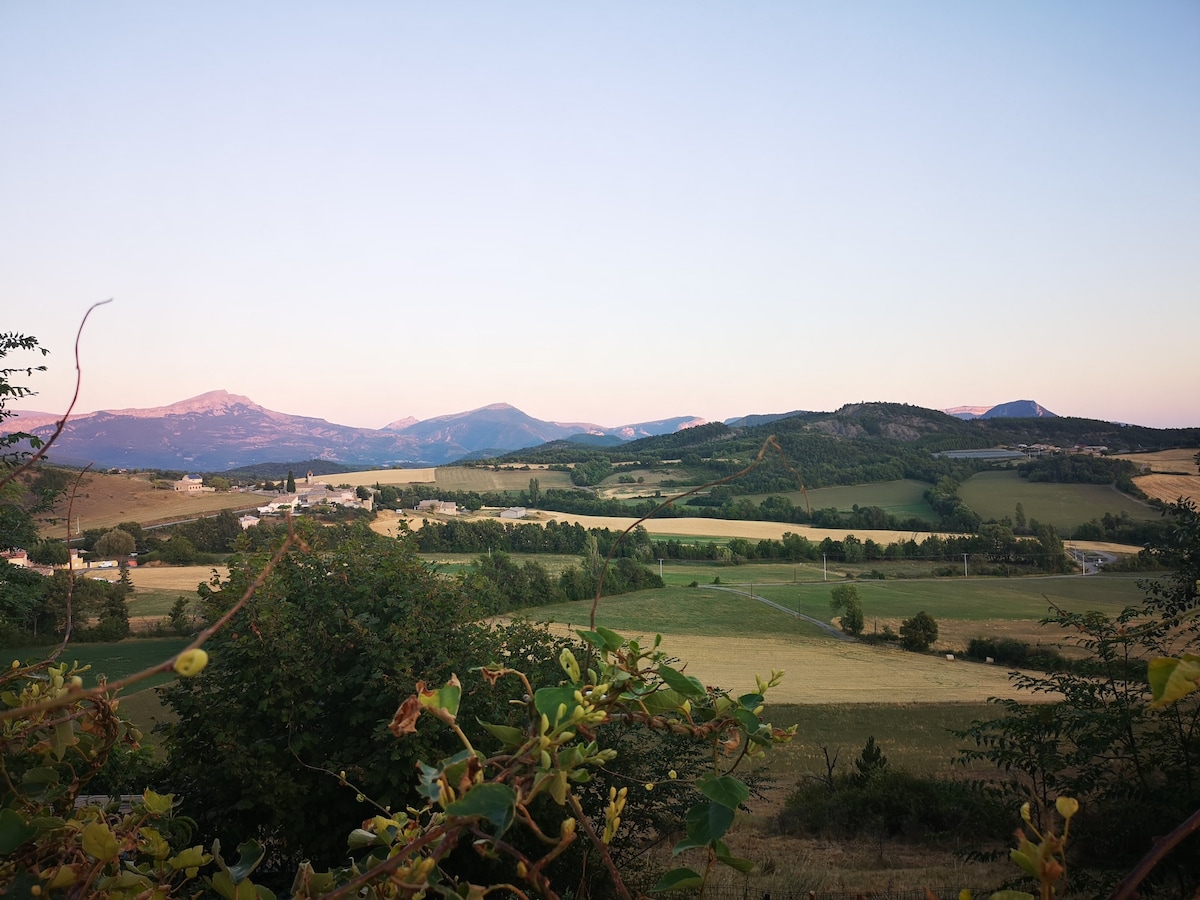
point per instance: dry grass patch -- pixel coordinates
(834, 672)
(105, 501)
(1103, 547)
(457, 478)
(370, 478)
(173, 578)
(1179, 460)
(788, 866)
(733, 528)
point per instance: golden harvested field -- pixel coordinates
(1102, 547)
(457, 478)
(731, 528)
(173, 578)
(383, 476)
(1178, 460)
(105, 501)
(1169, 488)
(821, 671)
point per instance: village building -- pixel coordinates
(446, 507)
(513, 512)
(190, 484)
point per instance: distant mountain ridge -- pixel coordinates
(1014, 409)
(219, 430)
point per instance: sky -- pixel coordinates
(607, 213)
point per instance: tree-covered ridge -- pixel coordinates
(867, 441)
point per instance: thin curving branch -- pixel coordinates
(62, 423)
(770, 443)
(1127, 889)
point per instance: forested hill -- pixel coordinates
(861, 443)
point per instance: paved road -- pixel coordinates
(837, 633)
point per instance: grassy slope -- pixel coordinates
(900, 498)
(995, 495)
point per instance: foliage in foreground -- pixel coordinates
(1133, 765)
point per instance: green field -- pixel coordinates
(156, 603)
(680, 610)
(683, 610)
(114, 660)
(995, 495)
(970, 599)
(913, 736)
(900, 498)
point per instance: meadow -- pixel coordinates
(995, 495)
(900, 498)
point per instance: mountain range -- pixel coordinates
(217, 431)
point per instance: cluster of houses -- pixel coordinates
(1043, 449)
(310, 494)
(450, 508)
(76, 563)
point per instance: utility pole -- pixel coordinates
(660, 570)
(964, 565)
(825, 566)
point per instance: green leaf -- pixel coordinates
(443, 701)
(747, 720)
(558, 787)
(1171, 678)
(160, 804)
(126, 882)
(663, 701)
(62, 737)
(750, 701)
(602, 638)
(98, 842)
(726, 790)
(736, 862)
(43, 776)
(14, 831)
(360, 838)
(708, 822)
(250, 854)
(495, 802)
(678, 880)
(547, 700)
(684, 684)
(192, 858)
(509, 737)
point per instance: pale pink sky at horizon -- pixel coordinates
(368, 211)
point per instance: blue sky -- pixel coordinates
(607, 212)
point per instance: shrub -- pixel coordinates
(897, 804)
(919, 632)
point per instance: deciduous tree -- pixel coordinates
(919, 632)
(115, 543)
(846, 601)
